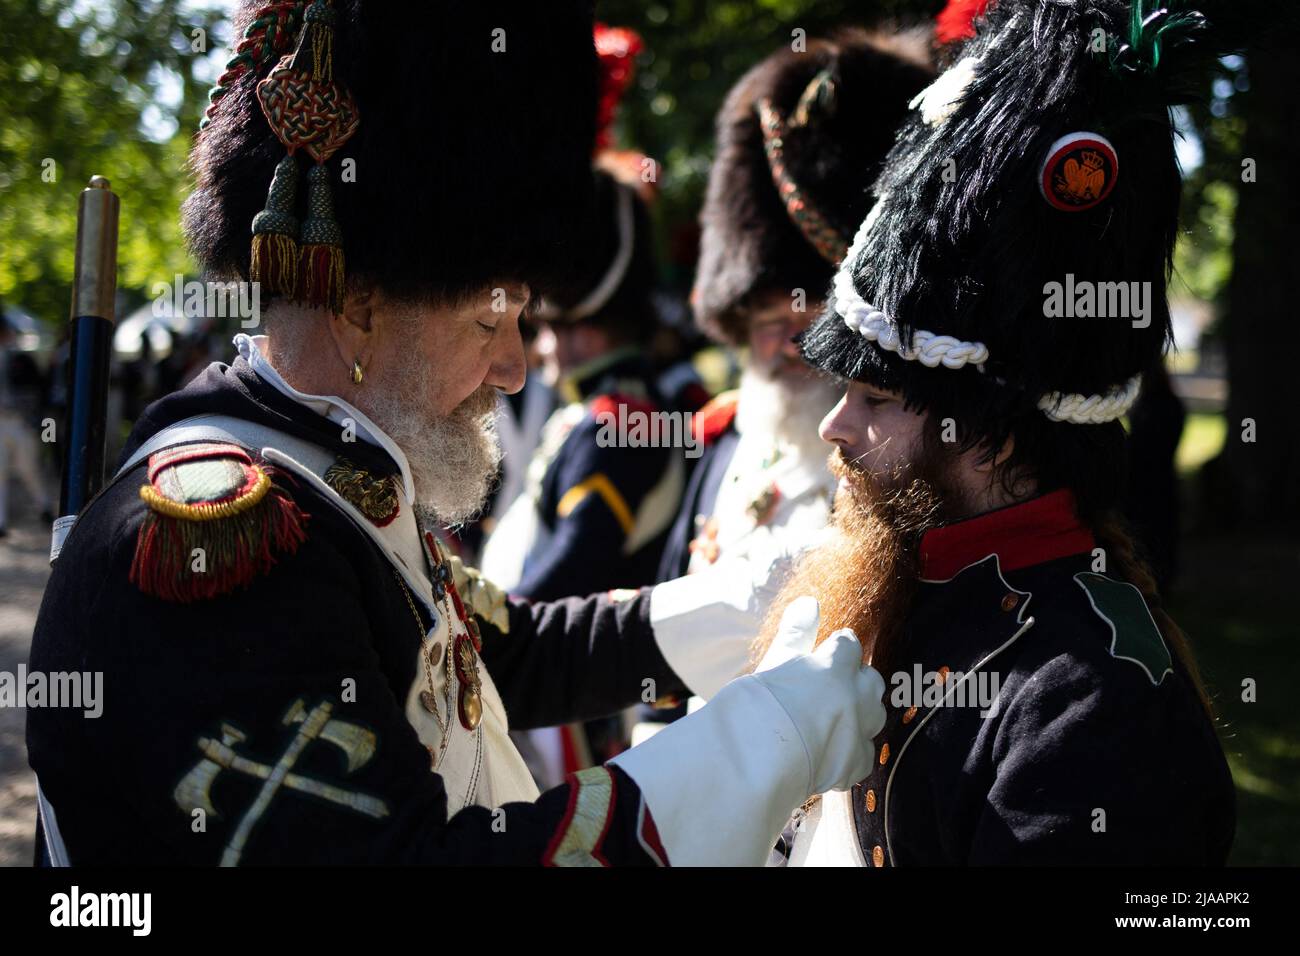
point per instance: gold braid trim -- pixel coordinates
(208, 510)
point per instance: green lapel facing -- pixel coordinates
(1134, 634)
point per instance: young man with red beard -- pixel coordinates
(1042, 707)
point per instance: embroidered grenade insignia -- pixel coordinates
(215, 522)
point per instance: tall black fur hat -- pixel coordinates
(1035, 173)
(831, 112)
(471, 163)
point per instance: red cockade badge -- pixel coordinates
(1078, 172)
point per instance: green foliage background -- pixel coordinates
(117, 87)
(87, 88)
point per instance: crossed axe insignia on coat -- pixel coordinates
(194, 792)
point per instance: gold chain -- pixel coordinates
(443, 725)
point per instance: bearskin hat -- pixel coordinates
(799, 139)
(1015, 260)
(471, 160)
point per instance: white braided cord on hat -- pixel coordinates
(1091, 409)
(933, 350)
(937, 103)
(927, 348)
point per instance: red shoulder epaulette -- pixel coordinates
(716, 417)
(215, 522)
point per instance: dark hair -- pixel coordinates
(471, 165)
(1091, 461)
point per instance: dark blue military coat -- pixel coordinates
(1037, 716)
(205, 699)
(603, 510)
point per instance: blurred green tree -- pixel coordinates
(1256, 480)
(113, 88)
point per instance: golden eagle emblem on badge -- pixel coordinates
(1079, 172)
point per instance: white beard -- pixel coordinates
(786, 410)
(453, 459)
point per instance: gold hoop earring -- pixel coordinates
(356, 372)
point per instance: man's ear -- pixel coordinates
(988, 467)
(1004, 452)
(354, 329)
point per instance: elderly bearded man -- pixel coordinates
(294, 670)
(1043, 707)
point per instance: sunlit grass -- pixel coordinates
(1203, 438)
(1234, 604)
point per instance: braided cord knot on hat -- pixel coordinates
(929, 349)
(933, 350)
(1091, 409)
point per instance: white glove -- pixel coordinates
(794, 635)
(721, 782)
(840, 752)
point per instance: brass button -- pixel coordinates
(943, 674)
(435, 654)
(871, 801)
(877, 856)
(884, 754)
(1010, 601)
(909, 714)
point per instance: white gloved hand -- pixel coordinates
(835, 701)
(721, 782)
(795, 634)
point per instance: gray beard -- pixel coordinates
(453, 459)
(786, 410)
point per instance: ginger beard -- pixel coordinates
(865, 576)
(453, 458)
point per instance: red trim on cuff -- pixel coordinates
(650, 836)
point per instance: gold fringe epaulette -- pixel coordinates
(216, 521)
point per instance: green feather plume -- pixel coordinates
(1153, 29)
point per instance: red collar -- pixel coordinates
(1041, 529)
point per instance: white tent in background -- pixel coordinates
(161, 330)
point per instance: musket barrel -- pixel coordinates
(95, 285)
(92, 316)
